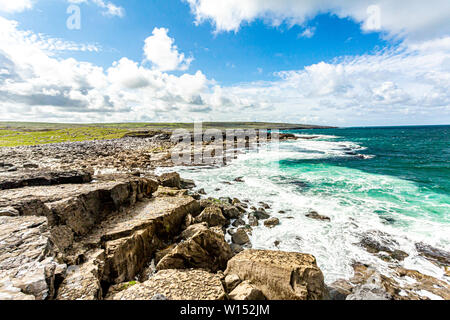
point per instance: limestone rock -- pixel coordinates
(43, 178)
(315, 215)
(272, 222)
(206, 249)
(240, 237)
(230, 211)
(187, 184)
(171, 179)
(231, 282)
(27, 261)
(212, 216)
(246, 291)
(177, 285)
(280, 275)
(437, 256)
(373, 289)
(193, 229)
(261, 215)
(82, 281)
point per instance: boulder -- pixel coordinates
(187, 184)
(272, 222)
(340, 289)
(240, 237)
(212, 216)
(230, 211)
(236, 248)
(252, 220)
(193, 229)
(231, 281)
(315, 215)
(280, 275)
(171, 180)
(238, 222)
(261, 215)
(176, 285)
(206, 249)
(246, 291)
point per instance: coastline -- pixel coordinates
(124, 169)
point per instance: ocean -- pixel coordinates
(391, 184)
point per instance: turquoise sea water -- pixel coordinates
(391, 184)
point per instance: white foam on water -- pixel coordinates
(350, 197)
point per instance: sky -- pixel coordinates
(339, 63)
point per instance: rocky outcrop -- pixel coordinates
(171, 180)
(43, 178)
(82, 282)
(437, 256)
(28, 268)
(246, 291)
(206, 250)
(212, 216)
(280, 275)
(368, 284)
(176, 285)
(383, 245)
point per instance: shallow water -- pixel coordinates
(400, 187)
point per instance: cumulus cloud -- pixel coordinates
(10, 6)
(36, 84)
(160, 50)
(406, 85)
(416, 19)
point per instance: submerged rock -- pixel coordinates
(381, 243)
(312, 214)
(435, 255)
(272, 222)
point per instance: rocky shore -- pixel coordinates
(91, 221)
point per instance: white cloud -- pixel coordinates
(407, 85)
(308, 32)
(415, 19)
(160, 50)
(11, 6)
(109, 8)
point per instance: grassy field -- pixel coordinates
(14, 134)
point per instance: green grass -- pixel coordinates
(14, 134)
(14, 138)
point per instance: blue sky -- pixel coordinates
(253, 53)
(294, 61)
